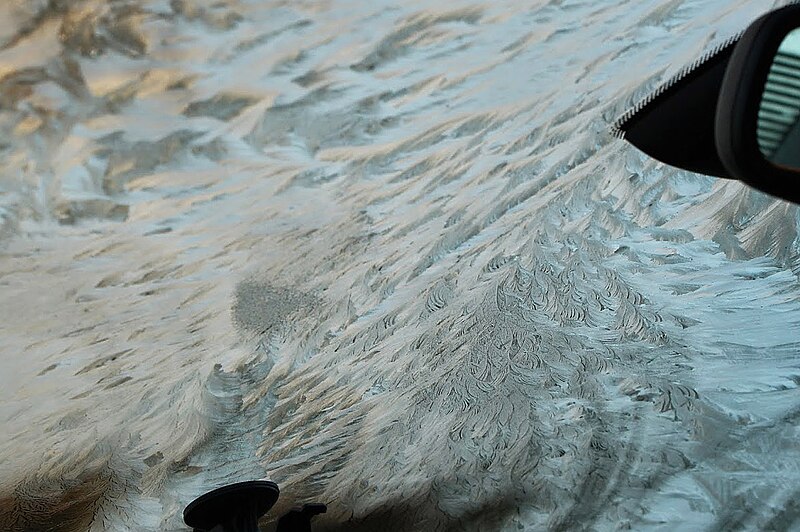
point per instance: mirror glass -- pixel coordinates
(779, 113)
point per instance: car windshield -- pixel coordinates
(387, 256)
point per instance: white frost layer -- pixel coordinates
(387, 255)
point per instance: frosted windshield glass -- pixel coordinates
(387, 256)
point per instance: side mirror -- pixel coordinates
(757, 129)
(734, 113)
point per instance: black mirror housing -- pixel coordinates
(722, 114)
(740, 97)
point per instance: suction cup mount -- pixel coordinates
(233, 508)
(238, 507)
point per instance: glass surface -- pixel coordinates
(778, 125)
(383, 254)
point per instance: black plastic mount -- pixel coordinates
(299, 520)
(233, 508)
